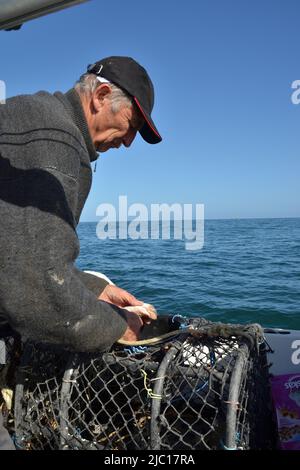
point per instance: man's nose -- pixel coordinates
(129, 138)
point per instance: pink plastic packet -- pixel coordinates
(286, 399)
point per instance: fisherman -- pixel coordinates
(47, 144)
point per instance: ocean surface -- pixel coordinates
(247, 271)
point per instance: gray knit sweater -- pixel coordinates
(45, 178)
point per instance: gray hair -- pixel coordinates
(88, 83)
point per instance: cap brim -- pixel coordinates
(149, 132)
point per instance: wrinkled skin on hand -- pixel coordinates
(137, 313)
(117, 296)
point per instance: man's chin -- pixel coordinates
(102, 148)
(105, 148)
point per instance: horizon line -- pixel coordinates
(206, 218)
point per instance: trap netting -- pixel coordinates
(196, 385)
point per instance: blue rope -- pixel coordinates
(202, 387)
(225, 447)
(77, 432)
(238, 439)
(17, 442)
(183, 322)
(135, 349)
(212, 357)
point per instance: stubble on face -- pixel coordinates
(117, 128)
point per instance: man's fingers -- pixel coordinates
(117, 296)
(124, 299)
(151, 311)
(132, 301)
(146, 311)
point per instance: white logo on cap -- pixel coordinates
(101, 67)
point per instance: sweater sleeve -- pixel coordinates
(41, 293)
(93, 283)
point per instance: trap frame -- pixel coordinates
(204, 386)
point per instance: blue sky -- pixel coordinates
(222, 72)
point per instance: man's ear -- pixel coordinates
(103, 91)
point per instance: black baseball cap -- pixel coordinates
(126, 73)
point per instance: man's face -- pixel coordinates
(114, 129)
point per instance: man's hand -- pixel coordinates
(146, 311)
(135, 324)
(117, 296)
(120, 297)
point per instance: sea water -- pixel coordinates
(247, 271)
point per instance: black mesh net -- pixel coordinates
(204, 386)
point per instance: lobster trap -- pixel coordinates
(188, 384)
